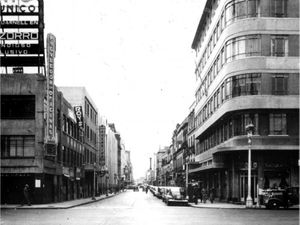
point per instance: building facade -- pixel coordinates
(247, 69)
(79, 97)
(53, 177)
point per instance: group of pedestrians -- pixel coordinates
(201, 193)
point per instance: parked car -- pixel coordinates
(155, 190)
(164, 193)
(276, 198)
(160, 191)
(175, 195)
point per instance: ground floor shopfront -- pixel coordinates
(270, 169)
(44, 188)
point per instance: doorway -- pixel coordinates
(244, 187)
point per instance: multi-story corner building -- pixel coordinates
(79, 97)
(24, 158)
(247, 57)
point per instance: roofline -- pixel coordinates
(204, 12)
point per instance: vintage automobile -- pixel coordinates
(175, 195)
(276, 198)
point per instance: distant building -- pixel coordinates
(109, 147)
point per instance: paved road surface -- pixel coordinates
(139, 208)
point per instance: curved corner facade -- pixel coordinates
(247, 69)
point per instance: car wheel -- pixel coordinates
(273, 204)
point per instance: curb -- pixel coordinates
(216, 207)
(233, 207)
(59, 207)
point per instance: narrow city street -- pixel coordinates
(139, 208)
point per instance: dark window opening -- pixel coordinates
(17, 107)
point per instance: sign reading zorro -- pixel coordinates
(79, 115)
(51, 132)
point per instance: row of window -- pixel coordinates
(238, 48)
(69, 157)
(17, 146)
(90, 112)
(239, 85)
(71, 128)
(270, 124)
(236, 10)
(90, 135)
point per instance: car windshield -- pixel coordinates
(175, 191)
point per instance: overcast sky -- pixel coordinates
(135, 59)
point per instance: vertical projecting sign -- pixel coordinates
(79, 115)
(51, 132)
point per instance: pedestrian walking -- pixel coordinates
(196, 194)
(147, 189)
(26, 195)
(204, 195)
(212, 195)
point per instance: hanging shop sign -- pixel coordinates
(31, 51)
(79, 115)
(51, 132)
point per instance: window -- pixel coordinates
(278, 8)
(58, 119)
(17, 146)
(17, 106)
(278, 124)
(253, 45)
(280, 85)
(253, 82)
(252, 8)
(241, 9)
(238, 85)
(228, 88)
(230, 12)
(279, 46)
(228, 51)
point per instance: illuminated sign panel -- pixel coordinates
(20, 49)
(31, 52)
(51, 132)
(79, 115)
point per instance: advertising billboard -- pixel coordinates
(22, 33)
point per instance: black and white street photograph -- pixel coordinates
(149, 112)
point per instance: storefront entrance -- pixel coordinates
(244, 187)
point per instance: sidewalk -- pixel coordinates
(58, 205)
(225, 205)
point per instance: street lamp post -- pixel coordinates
(249, 130)
(94, 183)
(186, 176)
